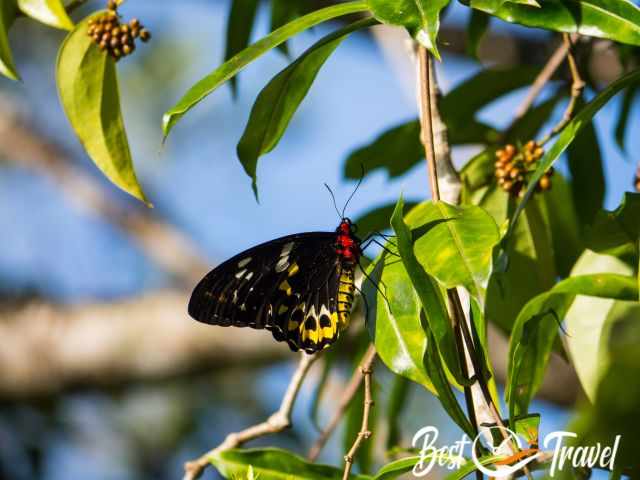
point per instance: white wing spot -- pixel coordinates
(286, 249)
(282, 264)
(243, 263)
(249, 275)
(241, 273)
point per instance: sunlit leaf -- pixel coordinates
(272, 464)
(231, 67)
(567, 136)
(50, 12)
(279, 100)
(617, 20)
(536, 327)
(88, 88)
(420, 17)
(8, 10)
(454, 244)
(433, 306)
(585, 322)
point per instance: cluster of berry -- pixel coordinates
(514, 166)
(118, 39)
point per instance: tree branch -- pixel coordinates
(277, 422)
(364, 433)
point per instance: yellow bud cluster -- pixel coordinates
(113, 36)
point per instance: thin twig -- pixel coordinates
(348, 394)
(364, 433)
(542, 79)
(277, 422)
(577, 86)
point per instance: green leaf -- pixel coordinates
(403, 465)
(433, 306)
(623, 117)
(617, 20)
(393, 319)
(587, 176)
(586, 322)
(398, 467)
(536, 327)
(49, 12)
(282, 12)
(377, 219)
(398, 397)
(477, 27)
(567, 136)
(88, 88)
(454, 244)
(279, 100)
(8, 11)
(563, 224)
(272, 464)
(420, 17)
(617, 232)
(239, 26)
(470, 467)
(231, 67)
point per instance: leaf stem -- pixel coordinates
(277, 422)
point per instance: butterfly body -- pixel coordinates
(300, 287)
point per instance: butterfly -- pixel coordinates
(300, 287)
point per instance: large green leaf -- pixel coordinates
(617, 232)
(476, 28)
(531, 268)
(454, 244)
(404, 465)
(536, 327)
(586, 322)
(567, 136)
(630, 95)
(587, 175)
(617, 20)
(88, 88)
(394, 318)
(239, 26)
(272, 464)
(420, 17)
(279, 100)
(8, 11)
(50, 12)
(231, 67)
(433, 306)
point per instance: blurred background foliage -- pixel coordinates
(103, 375)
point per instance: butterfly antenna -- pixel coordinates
(333, 197)
(354, 190)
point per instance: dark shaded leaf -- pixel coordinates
(230, 68)
(88, 88)
(378, 219)
(477, 27)
(279, 100)
(397, 402)
(239, 26)
(617, 20)
(623, 116)
(587, 176)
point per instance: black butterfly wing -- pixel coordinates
(289, 286)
